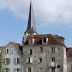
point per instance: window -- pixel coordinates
(52, 49)
(44, 40)
(17, 70)
(53, 69)
(41, 49)
(53, 59)
(58, 66)
(12, 50)
(7, 60)
(29, 69)
(7, 69)
(7, 50)
(40, 59)
(30, 41)
(30, 51)
(18, 60)
(41, 70)
(29, 60)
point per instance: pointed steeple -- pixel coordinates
(31, 23)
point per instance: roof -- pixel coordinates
(69, 52)
(1, 48)
(31, 23)
(60, 37)
(16, 44)
(38, 40)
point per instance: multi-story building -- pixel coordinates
(42, 53)
(13, 57)
(69, 59)
(37, 53)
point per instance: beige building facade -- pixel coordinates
(42, 53)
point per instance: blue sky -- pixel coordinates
(50, 18)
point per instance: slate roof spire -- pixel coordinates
(31, 23)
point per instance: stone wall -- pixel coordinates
(46, 55)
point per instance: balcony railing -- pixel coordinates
(52, 64)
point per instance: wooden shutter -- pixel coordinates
(31, 60)
(19, 70)
(6, 50)
(15, 61)
(56, 49)
(49, 49)
(27, 60)
(26, 69)
(15, 69)
(12, 50)
(8, 69)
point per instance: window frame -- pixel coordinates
(53, 59)
(53, 49)
(12, 50)
(53, 69)
(31, 51)
(41, 49)
(40, 60)
(7, 51)
(29, 69)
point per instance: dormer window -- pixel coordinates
(45, 40)
(30, 41)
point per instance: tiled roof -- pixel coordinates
(60, 37)
(2, 47)
(38, 40)
(69, 52)
(16, 44)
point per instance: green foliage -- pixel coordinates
(2, 63)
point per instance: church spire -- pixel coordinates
(31, 23)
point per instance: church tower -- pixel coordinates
(31, 29)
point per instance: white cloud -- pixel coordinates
(44, 10)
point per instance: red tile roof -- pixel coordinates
(2, 47)
(69, 52)
(60, 37)
(16, 44)
(38, 40)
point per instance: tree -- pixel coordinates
(2, 63)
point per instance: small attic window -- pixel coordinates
(44, 40)
(30, 41)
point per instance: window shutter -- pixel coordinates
(56, 49)
(20, 61)
(6, 50)
(15, 61)
(49, 69)
(8, 70)
(19, 70)
(9, 60)
(12, 50)
(27, 60)
(55, 69)
(30, 60)
(15, 69)
(28, 51)
(26, 69)
(49, 49)
(49, 64)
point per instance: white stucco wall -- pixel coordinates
(12, 56)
